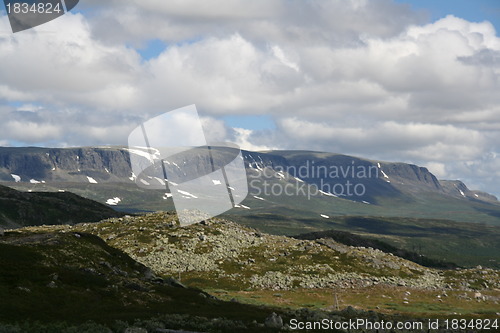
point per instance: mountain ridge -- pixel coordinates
(112, 164)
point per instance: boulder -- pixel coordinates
(273, 321)
(175, 283)
(135, 330)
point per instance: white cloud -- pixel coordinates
(360, 77)
(243, 138)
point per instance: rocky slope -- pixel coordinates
(53, 279)
(222, 253)
(244, 265)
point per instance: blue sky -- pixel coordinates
(475, 11)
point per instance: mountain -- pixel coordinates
(36, 165)
(112, 164)
(347, 177)
(19, 209)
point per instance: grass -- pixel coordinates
(387, 300)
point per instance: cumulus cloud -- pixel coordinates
(358, 77)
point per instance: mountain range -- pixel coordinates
(334, 184)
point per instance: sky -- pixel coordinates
(412, 81)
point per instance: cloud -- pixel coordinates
(484, 57)
(246, 139)
(357, 77)
(410, 141)
(283, 21)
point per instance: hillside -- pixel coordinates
(18, 209)
(238, 262)
(465, 244)
(57, 281)
(351, 239)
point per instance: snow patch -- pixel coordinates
(298, 179)
(92, 180)
(477, 196)
(161, 181)
(366, 202)
(113, 201)
(462, 193)
(34, 181)
(241, 206)
(145, 182)
(324, 216)
(16, 178)
(259, 198)
(146, 154)
(167, 195)
(281, 175)
(383, 173)
(133, 177)
(216, 182)
(187, 194)
(379, 166)
(328, 194)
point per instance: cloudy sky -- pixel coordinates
(413, 81)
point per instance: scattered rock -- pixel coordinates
(349, 312)
(135, 330)
(273, 321)
(175, 283)
(149, 274)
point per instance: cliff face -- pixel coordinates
(73, 164)
(332, 173)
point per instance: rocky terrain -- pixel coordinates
(221, 255)
(147, 262)
(224, 252)
(54, 279)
